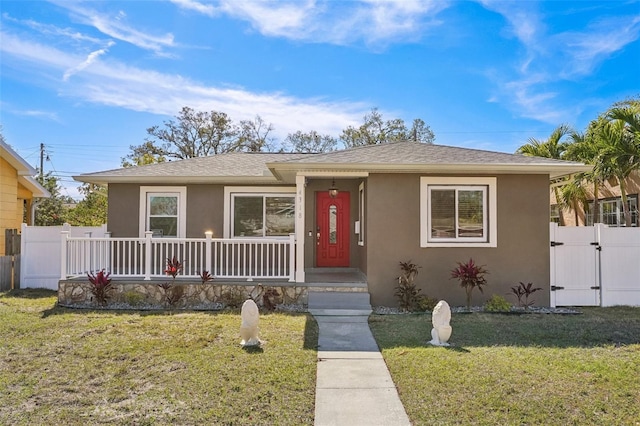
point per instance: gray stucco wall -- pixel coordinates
(393, 235)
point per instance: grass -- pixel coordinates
(517, 369)
(77, 367)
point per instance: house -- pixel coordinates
(609, 205)
(366, 208)
(18, 192)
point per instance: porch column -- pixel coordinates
(300, 227)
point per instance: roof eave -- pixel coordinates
(34, 187)
(105, 180)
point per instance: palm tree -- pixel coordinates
(553, 147)
(620, 155)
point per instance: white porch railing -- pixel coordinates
(147, 257)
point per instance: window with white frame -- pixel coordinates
(612, 213)
(259, 212)
(163, 211)
(361, 214)
(458, 212)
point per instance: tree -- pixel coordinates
(552, 147)
(619, 157)
(311, 142)
(144, 154)
(375, 130)
(92, 209)
(253, 135)
(51, 211)
(192, 134)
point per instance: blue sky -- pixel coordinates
(88, 78)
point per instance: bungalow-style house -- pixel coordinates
(18, 191)
(365, 209)
(609, 205)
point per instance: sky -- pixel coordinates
(87, 78)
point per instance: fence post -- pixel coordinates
(208, 253)
(64, 240)
(87, 249)
(147, 255)
(292, 258)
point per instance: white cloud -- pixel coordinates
(376, 22)
(117, 28)
(109, 82)
(91, 58)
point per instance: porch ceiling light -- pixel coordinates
(333, 191)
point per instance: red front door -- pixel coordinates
(332, 230)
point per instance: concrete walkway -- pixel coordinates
(353, 385)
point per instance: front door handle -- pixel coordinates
(318, 238)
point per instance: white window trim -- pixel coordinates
(180, 191)
(361, 213)
(229, 191)
(492, 217)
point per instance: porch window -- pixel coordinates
(253, 214)
(361, 214)
(458, 212)
(163, 211)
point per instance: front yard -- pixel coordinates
(510, 369)
(64, 366)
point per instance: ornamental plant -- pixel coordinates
(205, 276)
(524, 290)
(406, 291)
(172, 293)
(100, 286)
(470, 276)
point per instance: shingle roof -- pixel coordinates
(230, 165)
(409, 153)
(277, 167)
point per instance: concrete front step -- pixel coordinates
(340, 312)
(339, 300)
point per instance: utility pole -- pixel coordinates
(41, 161)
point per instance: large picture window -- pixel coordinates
(163, 211)
(254, 214)
(458, 211)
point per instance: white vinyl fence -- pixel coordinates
(40, 265)
(595, 266)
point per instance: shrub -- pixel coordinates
(406, 291)
(233, 297)
(426, 303)
(270, 298)
(497, 303)
(470, 276)
(524, 290)
(100, 286)
(133, 298)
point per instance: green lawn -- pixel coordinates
(517, 369)
(64, 366)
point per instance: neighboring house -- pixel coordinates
(609, 205)
(435, 205)
(18, 190)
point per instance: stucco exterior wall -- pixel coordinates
(393, 235)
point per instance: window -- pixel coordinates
(259, 212)
(611, 212)
(163, 211)
(458, 212)
(360, 229)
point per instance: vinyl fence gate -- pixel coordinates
(595, 266)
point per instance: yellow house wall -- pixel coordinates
(8, 200)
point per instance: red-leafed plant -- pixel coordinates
(205, 276)
(172, 292)
(524, 290)
(174, 266)
(470, 276)
(100, 286)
